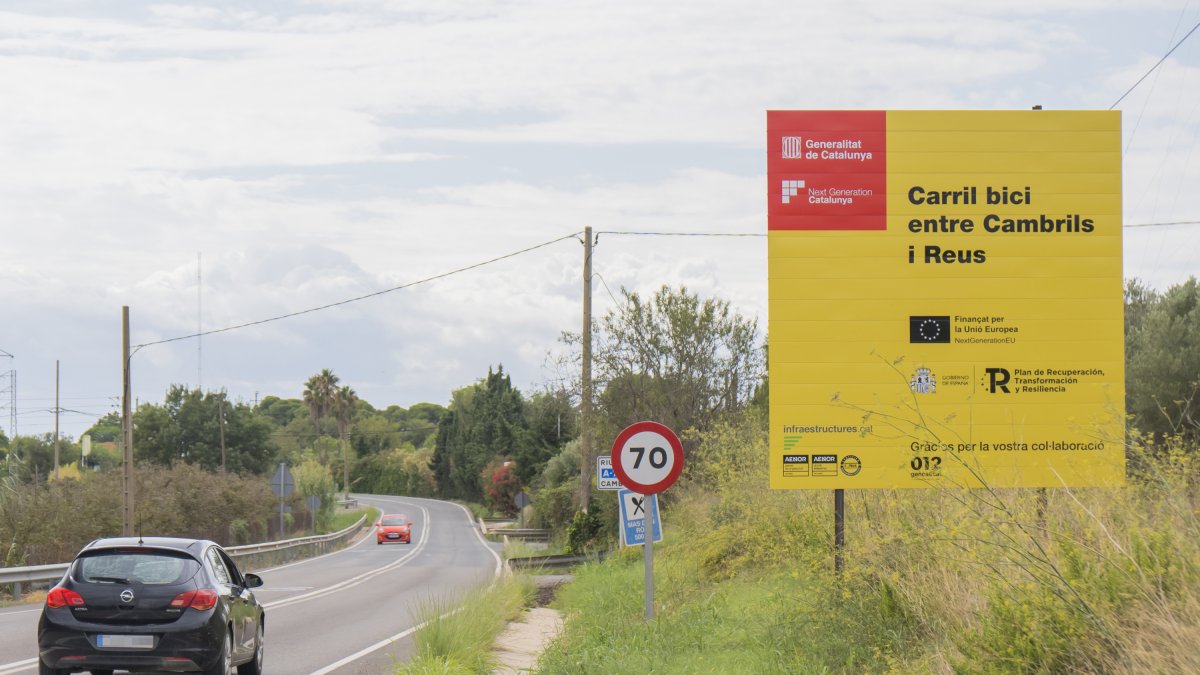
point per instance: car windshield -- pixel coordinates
(145, 567)
(394, 520)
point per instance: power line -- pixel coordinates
(1176, 222)
(1155, 66)
(744, 234)
(683, 234)
(435, 277)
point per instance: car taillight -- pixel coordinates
(62, 597)
(202, 599)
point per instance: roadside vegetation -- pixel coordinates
(936, 580)
(458, 633)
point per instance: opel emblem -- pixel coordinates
(127, 596)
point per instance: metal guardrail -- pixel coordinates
(526, 533)
(248, 556)
(554, 562)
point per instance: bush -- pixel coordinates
(583, 532)
(42, 523)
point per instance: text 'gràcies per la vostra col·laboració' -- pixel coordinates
(992, 223)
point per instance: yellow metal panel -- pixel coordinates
(949, 353)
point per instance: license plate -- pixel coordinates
(393, 536)
(125, 641)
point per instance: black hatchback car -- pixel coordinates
(159, 604)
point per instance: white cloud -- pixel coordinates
(329, 149)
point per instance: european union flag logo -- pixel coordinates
(929, 329)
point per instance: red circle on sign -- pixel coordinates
(656, 486)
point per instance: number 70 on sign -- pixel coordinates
(647, 457)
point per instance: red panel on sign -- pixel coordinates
(826, 170)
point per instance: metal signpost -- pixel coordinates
(282, 485)
(313, 502)
(647, 458)
(521, 500)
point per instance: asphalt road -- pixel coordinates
(352, 611)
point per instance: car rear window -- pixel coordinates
(394, 520)
(144, 566)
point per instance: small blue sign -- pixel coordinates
(607, 472)
(634, 508)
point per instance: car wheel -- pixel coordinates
(255, 665)
(379, 542)
(224, 664)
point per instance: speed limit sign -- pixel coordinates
(647, 457)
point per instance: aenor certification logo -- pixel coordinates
(825, 465)
(796, 466)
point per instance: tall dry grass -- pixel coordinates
(974, 580)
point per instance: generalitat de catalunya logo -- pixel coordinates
(793, 147)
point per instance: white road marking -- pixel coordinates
(409, 631)
(354, 581)
(18, 666)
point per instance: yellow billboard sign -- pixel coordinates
(945, 297)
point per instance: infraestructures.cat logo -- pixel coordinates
(793, 147)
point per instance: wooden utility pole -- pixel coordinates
(346, 464)
(126, 428)
(585, 396)
(56, 419)
(221, 426)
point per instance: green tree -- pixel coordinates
(1162, 377)
(398, 471)
(107, 429)
(315, 480)
(551, 421)
(319, 393)
(676, 359)
(186, 428)
(485, 421)
(342, 407)
(31, 458)
(373, 434)
(281, 411)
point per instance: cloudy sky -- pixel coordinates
(299, 153)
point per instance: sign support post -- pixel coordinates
(648, 555)
(839, 531)
(647, 458)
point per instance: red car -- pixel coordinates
(394, 527)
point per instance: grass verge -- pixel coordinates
(459, 634)
(344, 519)
(941, 580)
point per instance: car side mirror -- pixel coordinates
(253, 581)
(379, 524)
(410, 523)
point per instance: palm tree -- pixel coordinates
(319, 393)
(342, 404)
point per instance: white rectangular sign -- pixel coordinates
(606, 478)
